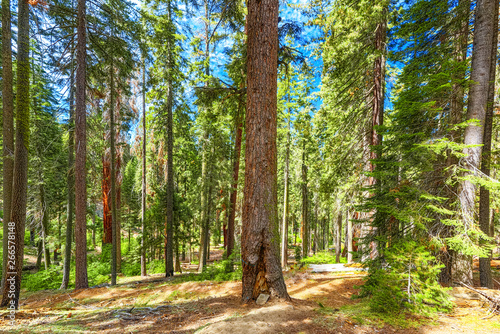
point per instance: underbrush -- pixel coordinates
(323, 257)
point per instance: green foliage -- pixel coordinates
(323, 257)
(43, 279)
(131, 269)
(407, 281)
(298, 253)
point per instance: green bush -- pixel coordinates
(156, 267)
(131, 269)
(323, 257)
(43, 280)
(408, 281)
(298, 253)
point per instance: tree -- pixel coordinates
(19, 194)
(7, 130)
(476, 111)
(81, 279)
(484, 201)
(260, 231)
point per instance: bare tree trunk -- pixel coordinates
(474, 134)
(45, 227)
(260, 233)
(236, 172)
(169, 265)
(113, 175)
(81, 279)
(305, 205)
(349, 240)
(8, 131)
(12, 285)
(143, 199)
(204, 204)
(484, 202)
(286, 200)
(70, 181)
(338, 236)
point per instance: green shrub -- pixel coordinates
(408, 281)
(43, 280)
(323, 257)
(131, 269)
(156, 267)
(298, 253)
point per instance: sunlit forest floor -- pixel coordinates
(321, 303)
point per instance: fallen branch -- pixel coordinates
(494, 302)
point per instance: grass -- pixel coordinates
(323, 257)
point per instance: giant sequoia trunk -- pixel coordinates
(260, 231)
(484, 202)
(8, 129)
(20, 185)
(81, 279)
(474, 133)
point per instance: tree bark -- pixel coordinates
(484, 194)
(81, 279)
(45, 227)
(7, 131)
(70, 181)
(305, 204)
(236, 172)
(260, 231)
(169, 264)
(112, 147)
(12, 286)
(286, 199)
(143, 199)
(474, 133)
(338, 236)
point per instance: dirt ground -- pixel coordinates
(321, 303)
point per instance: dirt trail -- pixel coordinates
(154, 305)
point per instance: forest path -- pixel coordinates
(321, 303)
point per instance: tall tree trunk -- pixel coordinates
(447, 255)
(7, 131)
(236, 172)
(286, 200)
(118, 206)
(474, 133)
(349, 240)
(305, 205)
(338, 236)
(204, 204)
(45, 227)
(169, 264)
(20, 177)
(81, 279)
(260, 231)
(484, 202)
(112, 147)
(70, 181)
(143, 199)
(107, 216)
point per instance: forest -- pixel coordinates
(258, 166)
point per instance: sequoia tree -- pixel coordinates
(260, 231)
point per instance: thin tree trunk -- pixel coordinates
(260, 232)
(45, 227)
(20, 177)
(143, 199)
(7, 131)
(236, 171)
(70, 181)
(305, 203)
(169, 265)
(474, 133)
(112, 147)
(349, 240)
(338, 236)
(81, 279)
(484, 202)
(286, 199)
(204, 205)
